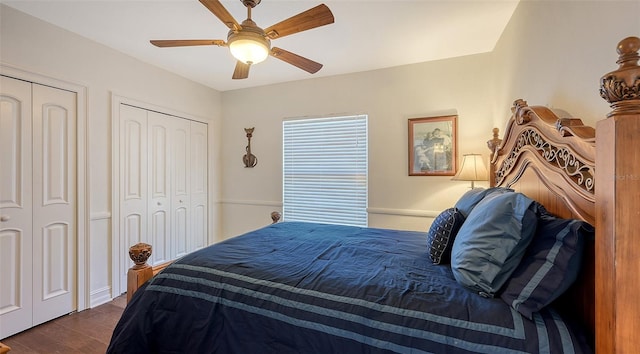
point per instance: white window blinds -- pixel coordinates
(325, 170)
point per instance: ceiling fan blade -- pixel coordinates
(312, 18)
(241, 71)
(186, 42)
(217, 9)
(303, 63)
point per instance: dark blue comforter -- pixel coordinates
(314, 288)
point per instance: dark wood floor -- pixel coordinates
(82, 332)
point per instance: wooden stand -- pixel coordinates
(141, 272)
(618, 207)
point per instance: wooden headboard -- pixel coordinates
(618, 206)
(549, 158)
(552, 160)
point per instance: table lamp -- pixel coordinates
(472, 169)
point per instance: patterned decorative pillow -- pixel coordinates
(441, 234)
(551, 263)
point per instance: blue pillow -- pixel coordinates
(471, 198)
(492, 241)
(441, 234)
(550, 265)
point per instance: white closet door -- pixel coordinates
(180, 202)
(199, 190)
(16, 244)
(54, 202)
(159, 184)
(133, 183)
(37, 204)
(163, 185)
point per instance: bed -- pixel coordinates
(306, 287)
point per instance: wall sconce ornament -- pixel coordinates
(249, 159)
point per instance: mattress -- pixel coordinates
(315, 288)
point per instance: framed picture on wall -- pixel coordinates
(433, 146)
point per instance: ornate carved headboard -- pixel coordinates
(561, 153)
(552, 160)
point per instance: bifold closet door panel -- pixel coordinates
(181, 188)
(16, 231)
(133, 184)
(54, 202)
(159, 129)
(199, 190)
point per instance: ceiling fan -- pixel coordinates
(250, 44)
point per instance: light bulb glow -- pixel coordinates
(249, 50)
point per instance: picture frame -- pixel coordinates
(433, 146)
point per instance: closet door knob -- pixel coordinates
(4, 218)
(159, 204)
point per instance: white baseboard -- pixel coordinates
(100, 296)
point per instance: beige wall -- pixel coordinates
(34, 46)
(553, 53)
(389, 97)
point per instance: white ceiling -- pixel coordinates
(366, 35)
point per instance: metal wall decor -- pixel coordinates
(249, 159)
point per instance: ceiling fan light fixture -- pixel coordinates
(250, 44)
(248, 47)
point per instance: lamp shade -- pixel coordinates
(472, 169)
(248, 47)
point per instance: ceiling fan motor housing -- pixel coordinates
(250, 3)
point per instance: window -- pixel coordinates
(325, 170)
